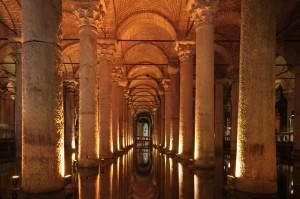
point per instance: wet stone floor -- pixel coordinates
(148, 174)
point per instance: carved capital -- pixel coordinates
(70, 85)
(185, 50)
(89, 13)
(204, 12)
(166, 84)
(107, 49)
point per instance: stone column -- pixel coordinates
(162, 119)
(88, 17)
(297, 115)
(43, 120)
(219, 116)
(115, 113)
(203, 14)
(234, 115)
(16, 46)
(168, 112)
(69, 113)
(256, 152)
(106, 52)
(174, 84)
(186, 135)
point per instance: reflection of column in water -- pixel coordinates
(167, 177)
(204, 185)
(115, 182)
(162, 175)
(105, 181)
(174, 181)
(88, 183)
(219, 176)
(186, 182)
(295, 183)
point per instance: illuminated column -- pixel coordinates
(168, 112)
(17, 52)
(69, 113)
(154, 126)
(43, 120)
(297, 114)
(121, 124)
(162, 119)
(256, 152)
(185, 145)
(203, 14)
(106, 52)
(174, 84)
(88, 18)
(219, 116)
(115, 112)
(234, 115)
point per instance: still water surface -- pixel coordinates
(148, 174)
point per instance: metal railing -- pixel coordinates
(143, 141)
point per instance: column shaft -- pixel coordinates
(42, 148)
(107, 49)
(204, 102)
(168, 117)
(256, 152)
(88, 127)
(186, 145)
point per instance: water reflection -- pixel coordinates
(149, 174)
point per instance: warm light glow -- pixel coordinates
(180, 181)
(180, 143)
(171, 143)
(111, 174)
(73, 157)
(239, 158)
(15, 177)
(171, 169)
(196, 186)
(73, 142)
(196, 151)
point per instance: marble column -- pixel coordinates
(186, 135)
(106, 53)
(296, 149)
(168, 113)
(203, 15)
(16, 46)
(174, 129)
(256, 151)
(43, 120)
(88, 17)
(69, 113)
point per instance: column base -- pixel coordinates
(88, 163)
(255, 186)
(205, 164)
(55, 189)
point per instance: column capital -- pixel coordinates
(172, 70)
(166, 84)
(107, 49)
(89, 13)
(185, 49)
(117, 73)
(70, 85)
(203, 12)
